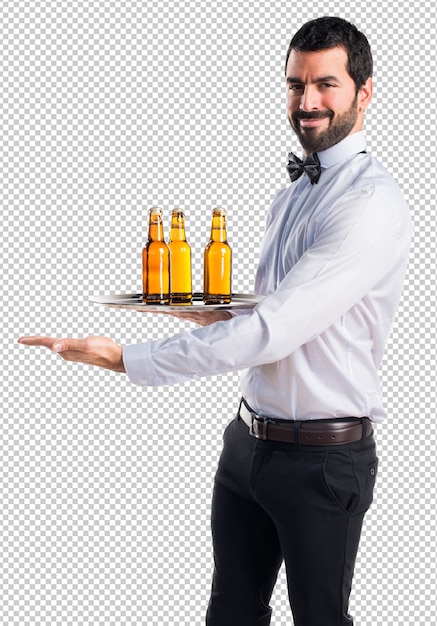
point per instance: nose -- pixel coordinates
(310, 99)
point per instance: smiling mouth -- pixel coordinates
(308, 122)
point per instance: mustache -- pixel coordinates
(315, 115)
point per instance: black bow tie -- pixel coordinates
(310, 165)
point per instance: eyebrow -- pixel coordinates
(320, 79)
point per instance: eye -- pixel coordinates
(295, 88)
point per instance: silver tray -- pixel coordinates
(134, 302)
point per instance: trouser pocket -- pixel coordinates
(349, 477)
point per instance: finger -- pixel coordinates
(47, 342)
(70, 345)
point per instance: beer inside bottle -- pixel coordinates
(217, 266)
(156, 262)
(180, 261)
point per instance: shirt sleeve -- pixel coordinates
(356, 245)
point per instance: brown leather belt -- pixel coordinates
(312, 433)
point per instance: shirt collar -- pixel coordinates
(352, 144)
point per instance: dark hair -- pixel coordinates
(329, 32)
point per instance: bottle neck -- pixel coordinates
(156, 229)
(177, 228)
(218, 226)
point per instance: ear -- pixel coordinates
(365, 94)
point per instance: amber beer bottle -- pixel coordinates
(156, 262)
(180, 260)
(217, 265)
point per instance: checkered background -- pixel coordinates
(108, 108)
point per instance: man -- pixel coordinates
(298, 466)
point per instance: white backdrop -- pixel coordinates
(108, 108)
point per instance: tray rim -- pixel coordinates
(133, 302)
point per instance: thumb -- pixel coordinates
(59, 346)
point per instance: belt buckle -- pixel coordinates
(263, 422)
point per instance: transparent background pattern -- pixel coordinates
(107, 108)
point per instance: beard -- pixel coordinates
(316, 140)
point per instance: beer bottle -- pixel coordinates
(217, 265)
(180, 261)
(156, 262)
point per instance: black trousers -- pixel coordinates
(277, 502)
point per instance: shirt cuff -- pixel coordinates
(138, 363)
(235, 312)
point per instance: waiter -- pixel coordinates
(298, 466)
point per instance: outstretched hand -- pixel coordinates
(104, 352)
(100, 351)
